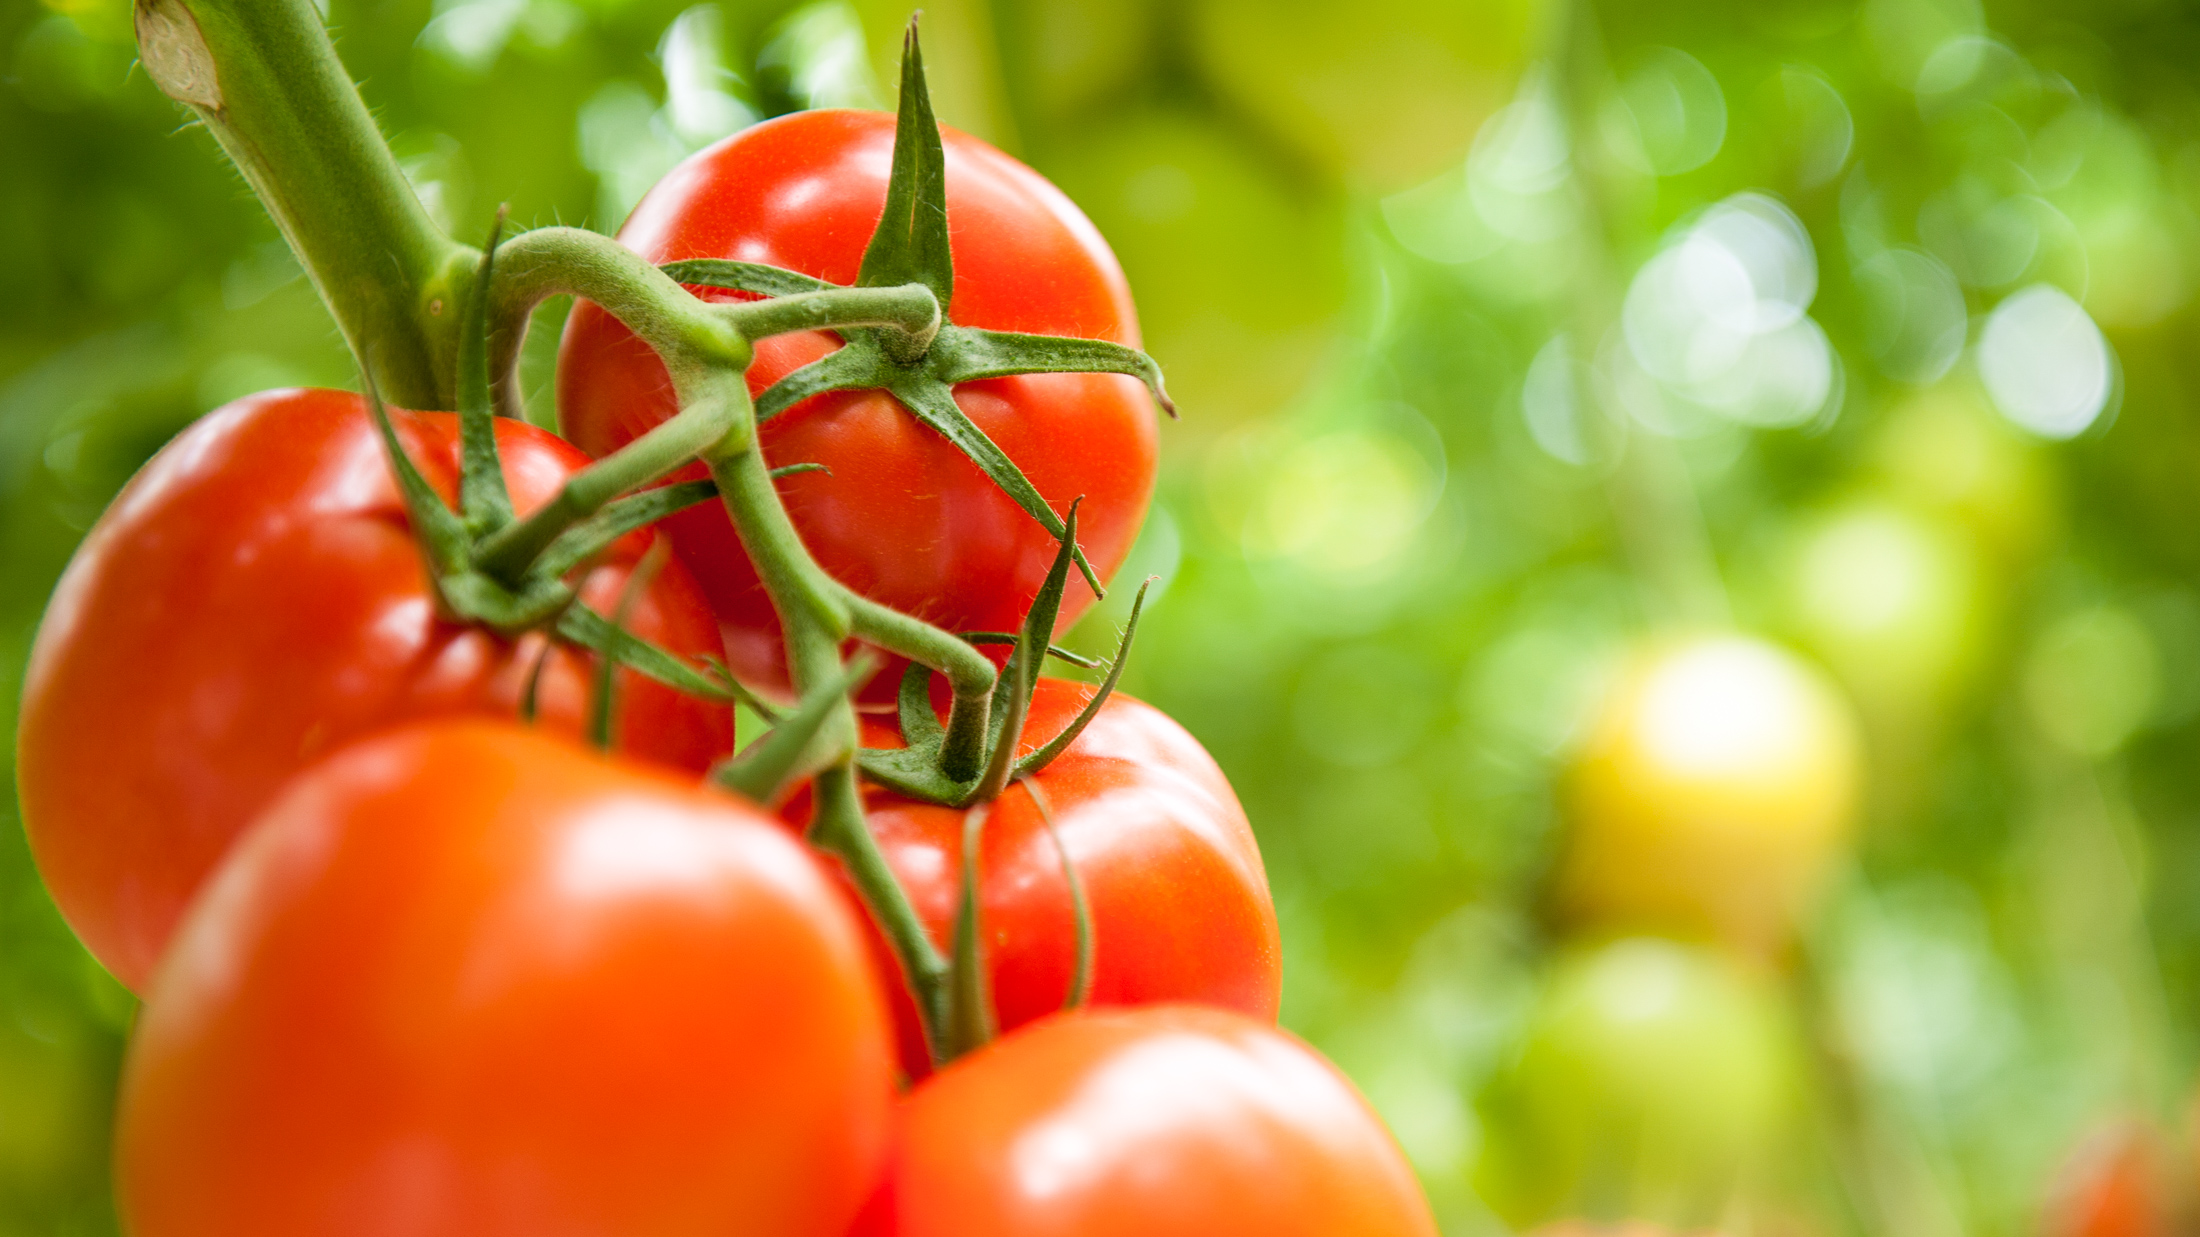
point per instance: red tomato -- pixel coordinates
(1164, 1121)
(2111, 1186)
(466, 979)
(902, 517)
(253, 598)
(1177, 897)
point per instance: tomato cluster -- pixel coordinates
(366, 748)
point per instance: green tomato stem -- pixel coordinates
(695, 343)
(969, 673)
(910, 309)
(814, 612)
(672, 444)
(264, 78)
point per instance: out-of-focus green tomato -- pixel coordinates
(1892, 600)
(1946, 452)
(1237, 276)
(53, 1097)
(1650, 1077)
(1384, 93)
(1710, 795)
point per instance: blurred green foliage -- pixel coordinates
(1509, 333)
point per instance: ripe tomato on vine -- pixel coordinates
(256, 598)
(463, 978)
(897, 512)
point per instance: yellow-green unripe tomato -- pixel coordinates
(1711, 794)
(1892, 601)
(1650, 1077)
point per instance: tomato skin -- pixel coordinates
(253, 598)
(1160, 1121)
(902, 517)
(467, 978)
(1177, 895)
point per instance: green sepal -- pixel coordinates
(910, 244)
(723, 676)
(972, 354)
(583, 626)
(971, 1022)
(766, 766)
(1020, 677)
(1054, 651)
(743, 277)
(603, 706)
(920, 726)
(483, 502)
(795, 470)
(1045, 753)
(914, 772)
(530, 694)
(500, 607)
(935, 405)
(858, 364)
(437, 526)
(1080, 979)
(583, 541)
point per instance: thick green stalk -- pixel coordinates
(266, 81)
(910, 309)
(815, 618)
(694, 342)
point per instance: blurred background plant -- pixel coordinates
(1679, 535)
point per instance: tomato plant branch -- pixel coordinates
(265, 80)
(693, 342)
(910, 309)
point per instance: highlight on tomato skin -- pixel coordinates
(898, 514)
(1178, 898)
(255, 598)
(469, 979)
(1164, 1121)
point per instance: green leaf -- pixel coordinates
(910, 244)
(965, 354)
(583, 541)
(935, 405)
(483, 501)
(743, 277)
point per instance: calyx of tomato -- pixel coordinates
(921, 366)
(472, 586)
